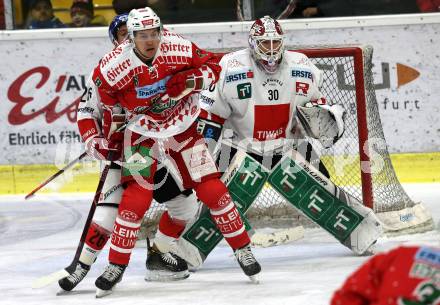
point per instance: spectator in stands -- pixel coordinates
(335, 8)
(41, 16)
(83, 15)
(125, 6)
(429, 6)
(307, 9)
(404, 276)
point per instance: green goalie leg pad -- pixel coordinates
(321, 201)
(245, 178)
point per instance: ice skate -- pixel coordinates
(111, 276)
(69, 282)
(248, 263)
(165, 267)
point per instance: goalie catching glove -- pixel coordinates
(322, 122)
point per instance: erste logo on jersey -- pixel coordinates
(296, 73)
(153, 89)
(239, 76)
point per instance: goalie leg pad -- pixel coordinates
(320, 200)
(245, 179)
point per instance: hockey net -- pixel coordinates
(347, 80)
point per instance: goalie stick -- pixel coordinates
(55, 276)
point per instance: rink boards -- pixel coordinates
(21, 179)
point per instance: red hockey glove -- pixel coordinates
(184, 82)
(100, 148)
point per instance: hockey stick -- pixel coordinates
(55, 276)
(278, 237)
(71, 163)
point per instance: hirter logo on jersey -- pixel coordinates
(274, 128)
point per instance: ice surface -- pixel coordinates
(40, 236)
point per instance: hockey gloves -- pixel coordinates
(101, 148)
(184, 82)
(322, 122)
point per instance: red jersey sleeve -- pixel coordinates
(106, 92)
(207, 63)
(363, 286)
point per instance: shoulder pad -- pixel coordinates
(296, 58)
(236, 60)
(175, 45)
(116, 64)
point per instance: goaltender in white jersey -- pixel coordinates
(270, 98)
(259, 90)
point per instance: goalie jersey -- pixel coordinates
(260, 108)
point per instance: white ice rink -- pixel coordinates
(40, 236)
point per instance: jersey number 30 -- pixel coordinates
(273, 95)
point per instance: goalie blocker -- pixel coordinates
(308, 190)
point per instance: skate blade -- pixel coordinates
(102, 293)
(165, 276)
(254, 279)
(63, 292)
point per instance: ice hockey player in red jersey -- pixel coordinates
(182, 205)
(403, 276)
(155, 76)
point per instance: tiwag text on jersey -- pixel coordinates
(239, 76)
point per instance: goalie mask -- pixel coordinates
(266, 43)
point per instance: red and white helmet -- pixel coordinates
(270, 53)
(142, 19)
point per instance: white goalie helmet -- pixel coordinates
(266, 41)
(142, 19)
